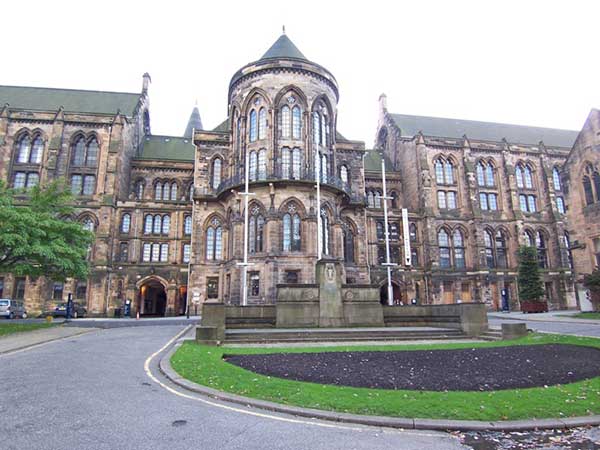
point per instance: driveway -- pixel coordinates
(92, 392)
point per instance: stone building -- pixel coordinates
(168, 212)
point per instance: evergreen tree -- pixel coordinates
(529, 279)
(36, 240)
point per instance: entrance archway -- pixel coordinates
(396, 294)
(152, 299)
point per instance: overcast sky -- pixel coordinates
(524, 62)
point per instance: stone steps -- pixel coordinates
(339, 335)
(491, 335)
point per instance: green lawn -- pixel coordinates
(587, 315)
(7, 327)
(204, 365)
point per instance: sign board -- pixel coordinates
(406, 234)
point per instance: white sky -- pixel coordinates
(524, 62)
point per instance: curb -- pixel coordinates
(37, 344)
(377, 421)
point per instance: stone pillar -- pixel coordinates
(329, 279)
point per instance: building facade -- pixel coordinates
(169, 212)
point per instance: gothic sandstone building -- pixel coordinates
(168, 212)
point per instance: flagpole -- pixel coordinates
(388, 263)
(245, 264)
(318, 180)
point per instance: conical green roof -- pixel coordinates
(195, 123)
(283, 48)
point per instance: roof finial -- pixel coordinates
(283, 29)
(196, 102)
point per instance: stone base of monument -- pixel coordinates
(304, 313)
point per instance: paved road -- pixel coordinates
(91, 392)
(547, 324)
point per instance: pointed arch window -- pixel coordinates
(324, 168)
(139, 190)
(444, 247)
(325, 232)
(316, 128)
(253, 126)
(556, 179)
(158, 188)
(587, 189)
(439, 171)
(214, 240)
(348, 243)
(125, 223)
(256, 226)
(148, 220)
(285, 162)
(344, 174)
(285, 120)
(296, 122)
(528, 177)
(596, 178)
(377, 199)
(529, 241)
(88, 224)
(187, 225)
(489, 175)
(412, 231)
(24, 149)
(216, 172)
(519, 176)
(459, 249)
(370, 199)
(262, 123)
(501, 253)
(542, 252)
(37, 149)
(157, 224)
(85, 154)
(238, 134)
(166, 225)
(291, 230)
(78, 158)
(296, 163)
(174, 189)
(489, 249)
(166, 191)
(444, 171)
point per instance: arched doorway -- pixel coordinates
(396, 293)
(152, 299)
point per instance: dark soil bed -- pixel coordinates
(478, 369)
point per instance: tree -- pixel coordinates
(529, 280)
(35, 237)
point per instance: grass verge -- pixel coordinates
(204, 365)
(587, 315)
(11, 328)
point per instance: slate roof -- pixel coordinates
(283, 48)
(223, 127)
(73, 100)
(485, 131)
(373, 161)
(170, 148)
(194, 123)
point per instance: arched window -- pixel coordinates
(191, 191)
(262, 123)
(37, 150)
(125, 223)
(148, 224)
(91, 159)
(325, 232)
(296, 122)
(528, 177)
(377, 199)
(238, 134)
(187, 225)
(560, 204)
(253, 166)
(321, 125)
(444, 246)
(542, 253)
(214, 240)
(587, 189)
(316, 128)
(529, 241)
(348, 244)
(174, 189)
(78, 158)
(489, 175)
(284, 123)
(166, 191)
(166, 224)
(412, 231)
(253, 126)
(556, 179)
(489, 249)
(596, 178)
(296, 163)
(459, 249)
(139, 190)
(157, 224)
(24, 149)
(501, 259)
(444, 171)
(370, 199)
(88, 224)
(256, 226)
(394, 200)
(216, 173)
(262, 164)
(519, 176)
(158, 191)
(379, 229)
(291, 230)
(344, 174)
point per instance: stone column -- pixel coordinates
(331, 309)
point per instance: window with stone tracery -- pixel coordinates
(292, 240)
(214, 240)
(256, 224)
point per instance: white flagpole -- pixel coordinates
(318, 180)
(388, 263)
(245, 264)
